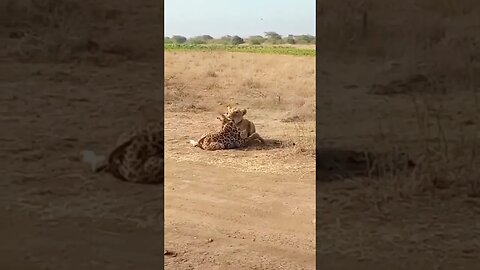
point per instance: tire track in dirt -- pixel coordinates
(256, 221)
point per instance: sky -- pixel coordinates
(244, 18)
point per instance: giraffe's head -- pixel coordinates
(228, 124)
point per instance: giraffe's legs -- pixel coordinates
(255, 136)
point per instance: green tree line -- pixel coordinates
(268, 38)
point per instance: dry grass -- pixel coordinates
(277, 91)
(72, 31)
(216, 79)
(448, 58)
(435, 122)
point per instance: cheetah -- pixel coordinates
(228, 137)
(247, 128)
(138, 156)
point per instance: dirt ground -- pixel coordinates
(50, 199)
(398, 76)
(244, 209)
(60, 100)
(425, 219)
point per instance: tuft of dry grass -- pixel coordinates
(211, 73)
(251, 84)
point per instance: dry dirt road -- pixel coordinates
(235, 208)
(240, 209)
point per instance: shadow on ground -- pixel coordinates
(270, 144)
(337, 164)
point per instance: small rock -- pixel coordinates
(210, 240)
(169, 253)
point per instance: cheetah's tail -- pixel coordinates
(97, 163)
(103, 167)
(194, 143)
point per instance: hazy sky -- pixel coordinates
(240, 17)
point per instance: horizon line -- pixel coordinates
(216, 37)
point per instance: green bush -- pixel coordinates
(179, 39)
(247, 49)
(256, 40)
(236, 40)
